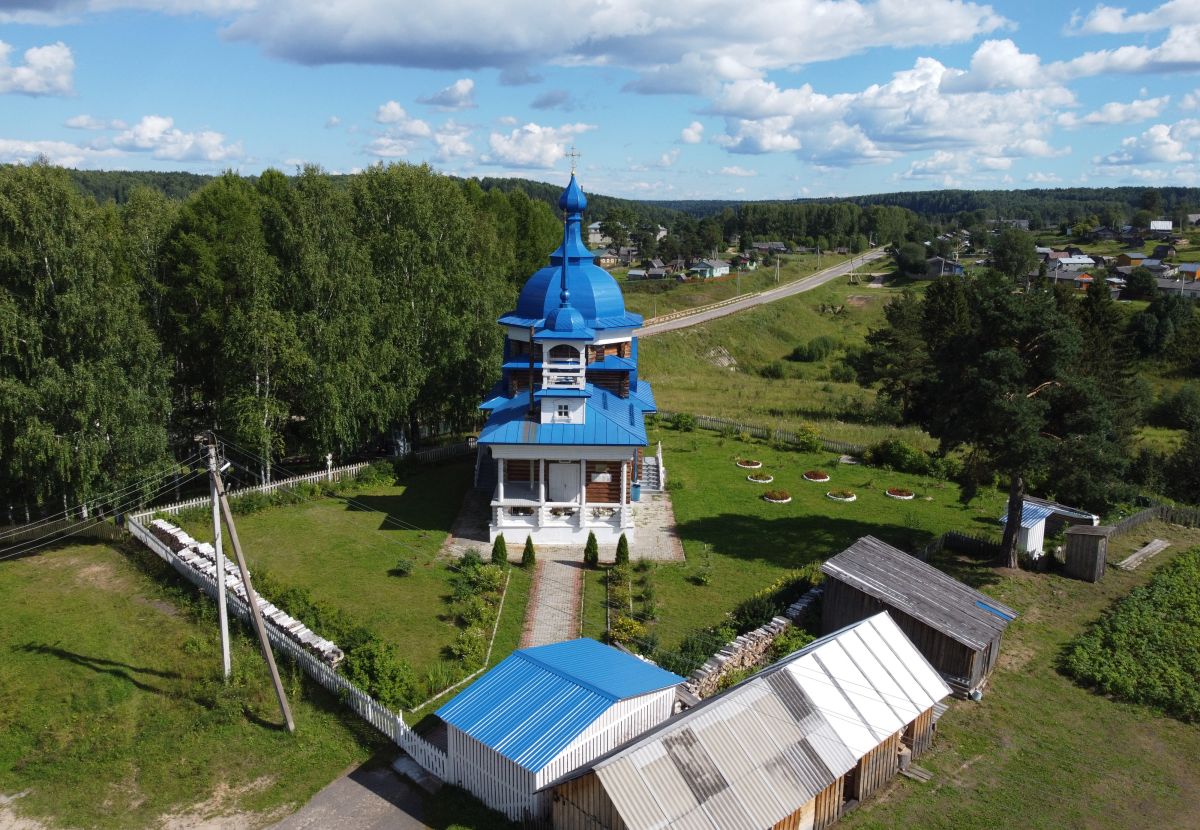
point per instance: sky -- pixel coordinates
(705, 99)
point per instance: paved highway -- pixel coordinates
(703, 315)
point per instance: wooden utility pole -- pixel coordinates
(252, 601)
(214, 475)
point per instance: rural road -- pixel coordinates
(751, 300)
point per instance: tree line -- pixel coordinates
(294, 315)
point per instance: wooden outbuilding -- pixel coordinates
(1086, 551)
(795, 746)
(957, 628)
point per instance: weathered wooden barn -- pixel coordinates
(544, 711)
(793, 747)
(957, 628)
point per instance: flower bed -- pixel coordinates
(749, 463)
(777, 496)
(817, 475)
(841, 495)
(898, 493)
(760, 478)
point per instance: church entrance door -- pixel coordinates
(563, 479)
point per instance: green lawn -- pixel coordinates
(342, 553)
(715, 368)
(652, 298)
(747, 543)
(113, 714)
(1041, 751)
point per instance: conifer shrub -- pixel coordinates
(591, 551)
(499, 551)
(622, 550)
(528, 556)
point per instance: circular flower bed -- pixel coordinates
(749, 463)
(777, 496)
(899, 493)
(760, 478)
(841, 495)
(817, 475)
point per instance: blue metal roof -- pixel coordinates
(1031, 514)
(644, 395)
(561, 393)
(613, 362)
(609, 420)
(532, 705)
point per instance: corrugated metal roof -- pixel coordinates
(1034, 510)
(609, 420)
(757, 752)
(1031, 514)
(537, 700)
(907, 584)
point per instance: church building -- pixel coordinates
(566, 426)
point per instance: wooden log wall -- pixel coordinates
(918, 735)
(615, 382)
(605, 492)
(521, 470)
(583, 804)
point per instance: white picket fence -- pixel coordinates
(430, 757)
(335, 474)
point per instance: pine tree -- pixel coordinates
(500, 551)
(528, 557)
(591, 551)
(622, 550)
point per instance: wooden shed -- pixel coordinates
(957, 628)
(1086, 551)
(793, 747)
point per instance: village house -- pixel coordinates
(957, 628)
(1187, 270)
(1161, 228)
(604, 258)
(1130, 258)
(1163, 252)
(795, 746)
(596, 237)
(709, 268)
(566, 425)
(940, 266)
(1041, 518)
(542, 712)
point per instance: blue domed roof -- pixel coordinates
(594, 294)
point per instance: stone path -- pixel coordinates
(553, 612)
(366, 798)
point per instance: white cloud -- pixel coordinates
(387, 146)
(64, 153)
(692, 134)
(1177, 53)
(996, 64)
(668, 158)
(1117, 113)
(1040, 177)
(460, 95)
(736, 170)
(400, 122)
(451, 141)
(87, 122)
(1159, 144)
(332, 121)
(1109, 20)
(532, 145)
(1190, 101)
(157, 135)
(47, 70)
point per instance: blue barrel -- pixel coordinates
(635, 492)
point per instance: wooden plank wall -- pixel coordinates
(517, 469)
(877, 768)
(844, 604)
(604, 492)
(918, 735)
(819, 813)
(583, 804)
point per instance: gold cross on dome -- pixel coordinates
(573, 155)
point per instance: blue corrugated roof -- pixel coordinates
(644, 395)
(1031, 514)
(613, 362)
(552, 392)
(537, 700)
(609, 420)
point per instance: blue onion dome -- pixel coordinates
(565, 319)
(572, 199)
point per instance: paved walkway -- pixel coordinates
(366, 798)
(792, 288)
(553, 612)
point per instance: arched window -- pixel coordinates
(564, 352)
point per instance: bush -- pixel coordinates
(528, 556)
(894, 454)
(591, 551)
(842, 373)
(470, 646)
(683, 422)
(818, 348)
(808, 439)
(773, 370)
(499, 551)
(792, 639)
(622, 550)
(626, 630)
(377, 668)
(403, 567)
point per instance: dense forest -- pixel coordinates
(291, 314)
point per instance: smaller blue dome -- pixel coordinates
(565, 319)
(572, 199)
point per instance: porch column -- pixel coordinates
(582, 492)
(541, 468)
(500, 479)
(624, 499)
